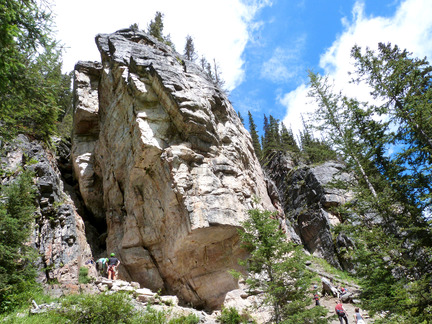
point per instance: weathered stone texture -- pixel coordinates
(307, 197)
(169, 165)
(59, 234)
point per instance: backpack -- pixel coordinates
(340, 312)
(316, 297)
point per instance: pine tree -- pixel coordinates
(30, 71)
(16, 256)
(155, 29)
(241, 117)
(288, 142)
(189, 51)
(313, 150)
(393, 189)
(217, 76)
(277, 267)
(254, 134)
(134, 27)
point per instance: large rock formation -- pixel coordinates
(160, 153)
(309, 200)
(58, 233)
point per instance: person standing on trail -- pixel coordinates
(101, 265)
(113, 263)
(316, 296)
(341, 312)
(359, 319)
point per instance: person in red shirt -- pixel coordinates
(341, 312)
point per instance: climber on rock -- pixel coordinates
(113, 263)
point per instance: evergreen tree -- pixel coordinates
(189, 51)
(404, 86)
(241, 117)
(30, 71)
(288, 142)
(314, 150)
(277, 267)
(16, 256)
(217, 76)
(393, 189)
(155, 29)
(254, 134)
(134, 27)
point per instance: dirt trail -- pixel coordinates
(330, 303)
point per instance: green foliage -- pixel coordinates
(189, 51)
(231, 316)
(155, 28)
(83, 277)
(255, 138)
(388, 148)
(183, 319)
(33, 90)
(16, 216)
(278, 268)
(101, 308)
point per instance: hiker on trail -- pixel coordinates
(316, 296)
(359, 319)
(341, 312)
(113, 263)
(101, 266)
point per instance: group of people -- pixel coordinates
(342, 314)
(339, 309)
(108, 266)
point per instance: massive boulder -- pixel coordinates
(309, 200)
(58, 233)
(160, 153)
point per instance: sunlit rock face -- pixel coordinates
(160, 153)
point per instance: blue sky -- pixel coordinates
(264, 47)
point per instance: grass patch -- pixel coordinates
(337, 274)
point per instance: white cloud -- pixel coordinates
(284, 65)
(410, 28)
(220, 29)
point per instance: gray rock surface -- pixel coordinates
(58, 234)
(308, 200)
(160, 153)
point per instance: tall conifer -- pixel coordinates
(255, 138)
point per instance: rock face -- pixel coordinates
(308, 200)
(58, 233)
(160, 153)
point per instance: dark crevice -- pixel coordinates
(95, 227)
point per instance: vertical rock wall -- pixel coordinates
(58, 233)
(308, 199)
(163, 156)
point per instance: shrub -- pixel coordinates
(102, 308)
(231, 316)
(189, 319)
(83, 277)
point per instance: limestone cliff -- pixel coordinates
(161, 155)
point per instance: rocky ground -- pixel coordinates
(330, 303)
